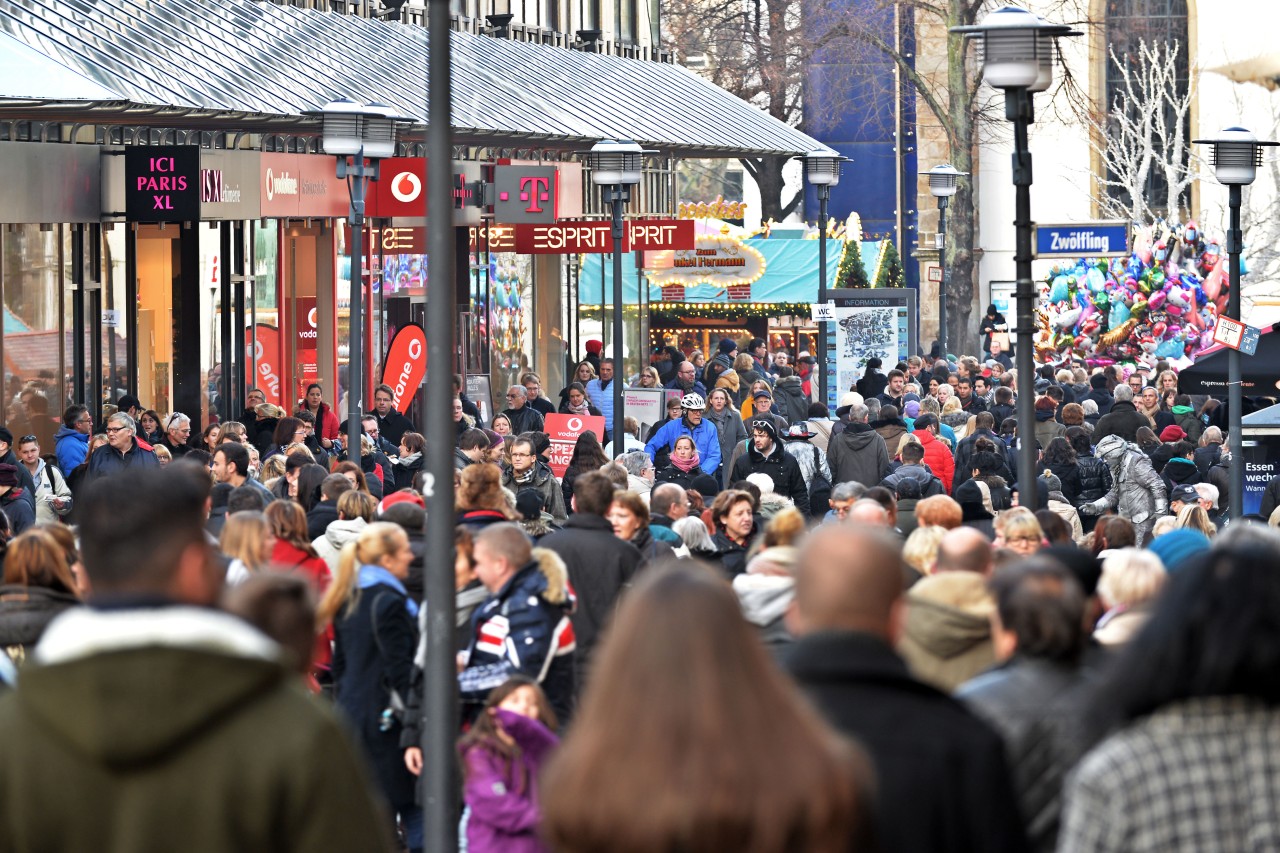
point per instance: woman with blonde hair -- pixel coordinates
(374, 639)
(680, 635)
(1132, 579)
(247, 541)
(648, 378)
(920, 551)
(232, 431)
(356, 510)
(1018, 530)
(1193, 517)
(731, 382)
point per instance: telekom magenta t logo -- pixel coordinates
(535, 191)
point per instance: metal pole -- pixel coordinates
(1017, 106)
(617, 196)
(355, 322)
(824, 192)
(942, 262)
(77, 327)
(440, 729)
(1235, 392)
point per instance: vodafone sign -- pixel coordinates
(400, 191)
(563, 430)
(406, 365)
(266, 350)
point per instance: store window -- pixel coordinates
(1131, 24)
(35, 279)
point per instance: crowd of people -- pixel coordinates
(756, 626)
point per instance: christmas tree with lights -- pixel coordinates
(851, 272)
(889, 267)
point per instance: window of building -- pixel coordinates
(1130, 24)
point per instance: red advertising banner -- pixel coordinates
(564, 431)
(658, 235)
(406, 365)
(266, 349)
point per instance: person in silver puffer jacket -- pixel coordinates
(1137, 492)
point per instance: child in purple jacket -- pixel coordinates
(501, 757)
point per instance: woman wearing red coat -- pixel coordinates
(293, 554)
(937, 455)
(326, 420)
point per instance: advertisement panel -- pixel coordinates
(406, 365)
(564, 431)
(401, 187)
(647, 405)
(300, 185)
(162, 183)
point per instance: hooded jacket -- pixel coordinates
(1137, 492)
(946, 639)
(858, 454)
(179, 696)
(329, 544)
(791, 399)
(781, 467)
(72, 448)
(892, 432)
(764, 600)
(1180, 471)
(929, 484)
(938, 457)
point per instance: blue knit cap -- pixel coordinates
(1176, 546)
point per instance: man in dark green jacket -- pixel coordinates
(151, 722)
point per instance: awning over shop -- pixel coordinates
(1258, 374)
(237, 63)
(790, 274)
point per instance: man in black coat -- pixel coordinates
(943, 782)
(391, 424)
(325, 510)
(984, 426)
(1123, 420)
(765, 455)
(1099, 394)
(600, 564)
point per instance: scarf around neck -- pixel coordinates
(375, 575)
(580, 409)
(686, 465)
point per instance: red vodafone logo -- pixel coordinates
(406, 187)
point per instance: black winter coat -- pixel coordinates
(683, 479)
(731, 556)
(320, 516)
(374, 644)
(1123, 420)
(964, 453)
(1095, 479)
(781, 466)
(943, 786)
(1070, 477)
(25, 611)
(600, 567)
(1037, 706)
(394, 425)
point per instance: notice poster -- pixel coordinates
(646, 405)
(563, 430)
(871, 323)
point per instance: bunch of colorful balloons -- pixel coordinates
(1159, 303)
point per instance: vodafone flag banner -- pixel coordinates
(406, 365)
(266, 355)
(564, 431)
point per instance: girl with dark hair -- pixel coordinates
(502, 755)
(1060, 458)
(149, 427)
(1093, 473)
(588, 455)
(287, 432)
(576, 402)
(733, 514)
(680, 636)
(409, 462)
(326, 420)
(1195, 762)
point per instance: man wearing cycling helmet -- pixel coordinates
(703, 432)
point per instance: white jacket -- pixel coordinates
(338, 533)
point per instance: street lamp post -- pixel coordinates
(822, 169)
(359, 135)
(1236, 157)
(616, 167)
(1017, 57)
(943, 180)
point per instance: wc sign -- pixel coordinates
(406, 365)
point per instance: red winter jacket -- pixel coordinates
(938, 457)
(288, 559)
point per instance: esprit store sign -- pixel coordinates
(406, 365)
(566, 238)
(300, 185)
(400, 191)
(162, 183)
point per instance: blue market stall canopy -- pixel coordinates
(233, 64)
(790, 276)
